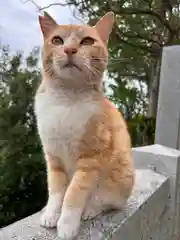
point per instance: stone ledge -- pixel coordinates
(149, 199)
(162, 159)
(165, 161)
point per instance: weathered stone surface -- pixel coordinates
(166, 161)
(168, 114)
(168, 133)
(162, 158)
(149, 199)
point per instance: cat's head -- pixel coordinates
(76, 54)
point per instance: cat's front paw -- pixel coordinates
(68, 226)
(52, 211)
(49, 219)
(91, 212)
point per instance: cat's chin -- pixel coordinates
(72, 72)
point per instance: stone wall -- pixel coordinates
(152, 203)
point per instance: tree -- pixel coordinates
(141, 30)
(22, 168)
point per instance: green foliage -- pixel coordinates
(22, 168)
(142, 130)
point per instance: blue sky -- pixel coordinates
(19, 25)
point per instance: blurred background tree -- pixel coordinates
(22, 168)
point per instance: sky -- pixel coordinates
(19, 26)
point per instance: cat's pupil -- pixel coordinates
(57, 40)
(87, 41)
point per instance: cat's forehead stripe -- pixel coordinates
(70, 38)
(72, 30)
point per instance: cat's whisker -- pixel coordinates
(83, 58)
(113, 58)
(58, 58)
(93, 71)
(49, 70)
(96, 71)
(110, 60)
(48, 67)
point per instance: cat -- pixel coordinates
(84, 137)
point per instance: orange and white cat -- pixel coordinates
(85, 139)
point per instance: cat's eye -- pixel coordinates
(56, 40)
(87, 41)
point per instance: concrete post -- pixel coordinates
(168, 113)
(165, 161)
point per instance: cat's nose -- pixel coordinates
(70, 50)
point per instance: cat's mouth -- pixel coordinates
(71, 65)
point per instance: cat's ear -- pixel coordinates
(47, 24)
(104, 26)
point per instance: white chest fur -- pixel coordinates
(62, 122)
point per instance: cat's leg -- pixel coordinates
(112, 194)
(91, 211)
(83, 181)
(57, 181)
(102, 200)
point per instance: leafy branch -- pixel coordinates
(131, 11)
